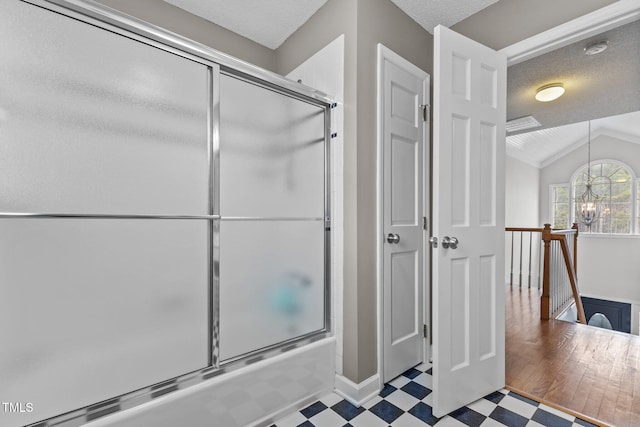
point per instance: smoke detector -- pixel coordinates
(596, 48)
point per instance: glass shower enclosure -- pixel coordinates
(164, 211)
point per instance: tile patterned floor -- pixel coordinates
(406, 402)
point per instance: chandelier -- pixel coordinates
(588, 205)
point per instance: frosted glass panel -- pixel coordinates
(92, 309)
(102, 124)
(271, 283)
(271, 153)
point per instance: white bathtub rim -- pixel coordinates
(174, 397)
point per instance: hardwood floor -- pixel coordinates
(589, 371)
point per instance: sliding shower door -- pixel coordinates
(272, 207)
(104, 236)
(162, 215)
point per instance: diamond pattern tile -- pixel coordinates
(416, 390)
(314, 409)
(548, 419)
(468, 417)
(387, 390)
(387, 411)
(347, 410)
(509, 418)
(406, 402)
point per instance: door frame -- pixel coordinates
(611, 16)
(384, 54)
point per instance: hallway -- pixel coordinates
(585, 370)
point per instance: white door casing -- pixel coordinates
(468, 174)
(403, 89)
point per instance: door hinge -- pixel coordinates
(424, 222)
(425, 112)
(424, 330)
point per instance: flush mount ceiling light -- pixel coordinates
(549, 92)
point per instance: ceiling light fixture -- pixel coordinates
(549, 92)
(588, 205)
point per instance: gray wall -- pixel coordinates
(522, 186)
(379, 21)
(186, 24)
(365, 24)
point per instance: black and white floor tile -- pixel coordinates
(406, 402)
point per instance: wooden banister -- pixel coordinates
(548, 235)
(546, 279)
(574, 282)
(524, 229)
(575, 248)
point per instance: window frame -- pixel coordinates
(634, 229)
(636, 205)
(552, 203)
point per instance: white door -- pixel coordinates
(468, 190)
(403, 91)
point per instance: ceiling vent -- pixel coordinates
(523, 123)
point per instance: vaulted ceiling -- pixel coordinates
(543, 147)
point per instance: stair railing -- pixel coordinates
(524, 259)
(557, 270)
(559, 278)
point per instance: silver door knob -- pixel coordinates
(449, 242)
(393, 238)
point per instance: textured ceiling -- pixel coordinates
(267, 22)
(599, 86)
(596, 86)
(430, 13)
(541, 147)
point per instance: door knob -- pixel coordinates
(449, 242)
(393, 238)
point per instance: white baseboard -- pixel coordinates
(357, 394)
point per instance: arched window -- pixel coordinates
(615, 183)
